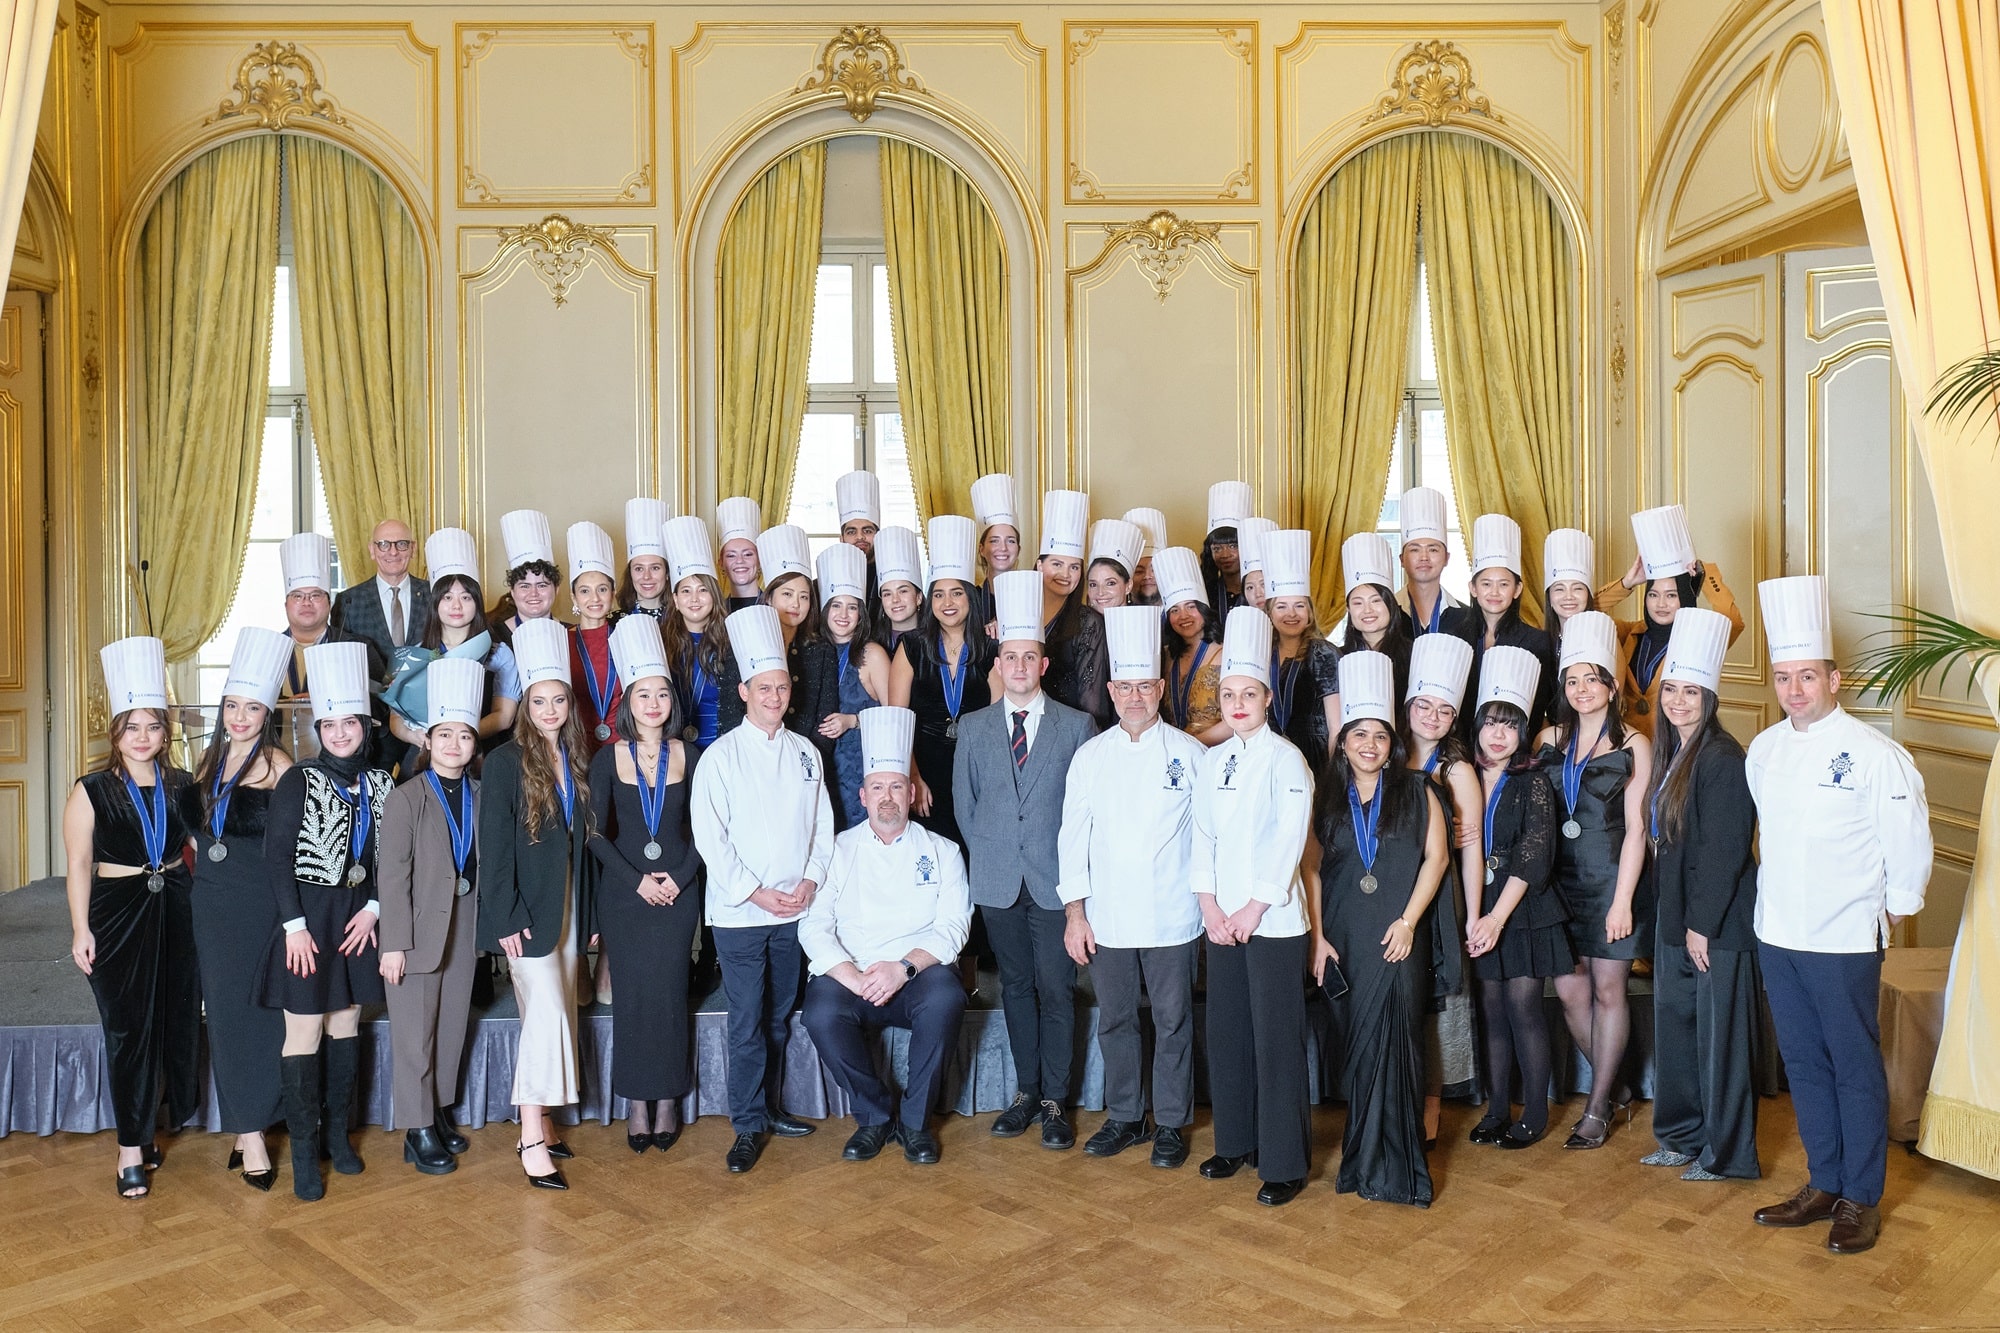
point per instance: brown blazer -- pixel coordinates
(1639, 707)
(414, 877)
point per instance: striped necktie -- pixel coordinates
(1020, 739)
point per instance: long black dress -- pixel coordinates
(1080, 664)
(1382, 1072)
(1301, 688)
(234, 915)
(338, 980)
(1534, 942)
(935, 750)
(145, 977)
(1587, 865)
(651, 1031)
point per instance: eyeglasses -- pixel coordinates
(1125, 689)
(395, 548)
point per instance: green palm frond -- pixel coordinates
(1922, 642)
(1966, 387)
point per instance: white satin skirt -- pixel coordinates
(545, 1066)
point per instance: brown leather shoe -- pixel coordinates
(1801, 1210)
(1855, 1227)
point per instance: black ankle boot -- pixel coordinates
(343, 1060)
(299, 1075)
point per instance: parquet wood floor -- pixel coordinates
(1001, 1235)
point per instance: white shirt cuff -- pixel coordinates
(297, 923)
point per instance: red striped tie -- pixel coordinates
(1020, 739)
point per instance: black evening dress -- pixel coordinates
(234, 915)
(1587, 865)
(935, 747)
(1300, 689)
(1080, 664)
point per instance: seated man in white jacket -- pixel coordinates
(880, 938)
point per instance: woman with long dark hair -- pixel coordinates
(899, 588)
(1569, 566)
(126, 833)
(1601, 772)
(1191, 644)
(1305, 672)
(1672, 577)
(941, 672)
(1114, 553)
(788, 589)
(1494, 618)
(1703, 826)
(1079, 662)
(1229, 503)
(998, 533)
(1251, 538)
(862, 666)
(702, 669)
(1374, 623)
(593, 595)
(643, 587)
(455, 624)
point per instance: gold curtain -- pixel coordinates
(765, 274)
(1919, 85)
(1356, 273)
(1498, 265)
(208, 256)
(948, 288)
(362, 289)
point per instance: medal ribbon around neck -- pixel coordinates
(1285, 675)
(1183, 686)
(1573, 771)
(653, 799)
(364, 815)
(224, 790)
(1367, 820)
(460, 823)
(953, 680)
(152, 818)
(566, 787)
(1431, 763)
(600, 695)
(1492, 806)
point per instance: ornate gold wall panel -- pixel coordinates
(1160, 112)
(522, 143)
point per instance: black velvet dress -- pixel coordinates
(1382, 1068)
(652, 1032)
(338, 980)
(234, 915)
(145, 977)
(1587, 865)
(933, 749)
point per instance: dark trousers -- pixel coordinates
(930, 1005)
(1257, 1054)
(1824, 1008)
(1037, 980)
(1168, 974)
(761, 966)
(147, 984)
(1705, 1044)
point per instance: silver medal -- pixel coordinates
(155, 882)
(652, 851)
(1489, 874)
(603, 731)
(691, 734)
(1492, 867)
(951, 730)
(217, 852)
(1368, 884)
(1572, 829)
(464, 886)
(356, 874)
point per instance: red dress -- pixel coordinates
(590, 654)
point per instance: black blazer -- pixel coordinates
(521, 881)
(1469, 623)
(1707, 878)
(358, 611)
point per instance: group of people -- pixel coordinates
(1142, 758)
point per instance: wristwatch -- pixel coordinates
(909, 970)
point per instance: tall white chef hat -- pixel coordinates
(954, 547)
(1439, 665)
(1666, 547)
(1425, 515)
(1177, 570)
(337, 679)
(738, 518)
(689, 551)
(993, 501)
(525, 536)
(1365, 558)
(450, 551)
(1251, 535)
(541, 650)
(887, 733)
(1509, 675)
(1118, 540)
(1017, 606)
(858, 497)
(896, 558)
(784, 550)
(257, 665)
(1496, 543)
(843, 572)
(1367, 688)
(1065, 514)
(307, 561)
(1288, 563)
(1132, 635)
(1798, 622)
(1154, 524)
(1246, 645)
(135, 673)
(757, 641)
(1589, 636)
(1695, 647)
(455, 687)
(1229, 503)
(590, 551)
(645, 522)
(1568, 554)
(637, 651)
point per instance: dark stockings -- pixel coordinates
(642, 1117)
(1516, 1032)
(1600, 1023)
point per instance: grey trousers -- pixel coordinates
(430, 1017)
(1168, 974)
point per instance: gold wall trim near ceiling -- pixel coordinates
(287, 93)
(1433, 82)
(1162, 244)
(859, 65)
(557, 251)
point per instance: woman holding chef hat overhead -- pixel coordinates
(593, 593)
(126, 833)
(738, 520)
(862, 669)
(1192, 641)
(1666, 568)
(1079, 666)
(532, 576)
(1305, 671)
(1600, 772)
(1494, 617)
(644, 586)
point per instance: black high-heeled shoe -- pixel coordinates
(553, 1180)
(560, 1151)
(638, 1143)
(133, 1178)
(664, 1139)
(150, 1157)
(256, 1180)
(1578, 1139)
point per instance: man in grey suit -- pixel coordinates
(1008, 780)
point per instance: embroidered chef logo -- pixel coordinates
(1175, 772)
(925, 868)
(1229, 771)
(1838, 769)
(806, 763)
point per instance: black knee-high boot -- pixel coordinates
(300, 1077)
(343, 1060)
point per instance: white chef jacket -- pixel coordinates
(1252, 808)
(761, 820)
(881, 900)
(1128, 835)
(1843, 832)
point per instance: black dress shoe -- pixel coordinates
(1519, 1136)
(1278, 1193)
(261, 1180)
(1014, 1121)
(453, 1141)
(920, 1147)
(743, 1153)
(1220, 1167)
(865, 1145)
(235, 1159)
(791, 1127)
(1170, 1147)
(132, 1183)
(552, 1181)
(423, 1149)
(638, 1143)
(666, 1138)
(560, 1151)
(1057, 1132)
(150, 1157)
(1488, 1132)
(1115, 1136)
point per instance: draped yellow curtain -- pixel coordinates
(1356, 273)
(948, 289)
(208, 256)
(1498, 266)
(1919, 84)
(362, 287)
(765, 273)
